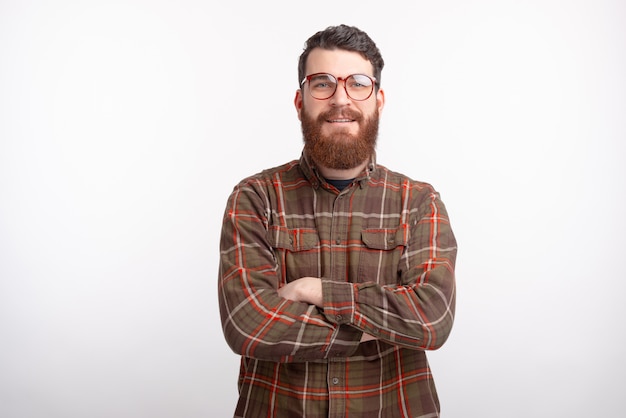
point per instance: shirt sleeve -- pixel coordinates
(256, 321)
(418, 311)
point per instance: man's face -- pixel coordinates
(338, 132)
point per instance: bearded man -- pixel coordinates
(336, 273)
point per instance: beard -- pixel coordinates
(339, 150)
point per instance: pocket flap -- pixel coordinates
(385, 239)
(295, 239)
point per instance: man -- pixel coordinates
(336, 274)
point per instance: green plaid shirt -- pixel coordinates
(385, 252)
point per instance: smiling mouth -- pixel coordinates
(339, 120)
(346, 116)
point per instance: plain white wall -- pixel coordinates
(125, 124)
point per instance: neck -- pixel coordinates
(336, 174)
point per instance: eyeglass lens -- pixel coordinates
(358, 86)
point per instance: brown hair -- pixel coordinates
(345, 37)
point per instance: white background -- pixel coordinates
(124, 126)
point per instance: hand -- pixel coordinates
(306, 290)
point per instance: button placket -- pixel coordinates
(336, 388)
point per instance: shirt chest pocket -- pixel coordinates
(380, 255)
(297, 252)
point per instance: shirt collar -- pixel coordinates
(315, 178)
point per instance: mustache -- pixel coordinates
(340, 113)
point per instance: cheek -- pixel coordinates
(370, 107)
(305, 114)
(312, 108)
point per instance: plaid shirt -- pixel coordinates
(385, 252)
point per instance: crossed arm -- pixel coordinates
(317, 318)
(309, 290)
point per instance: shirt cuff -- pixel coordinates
(338, 302)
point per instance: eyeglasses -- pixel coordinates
(323, 86)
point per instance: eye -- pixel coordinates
(322, 82)
(359, 81)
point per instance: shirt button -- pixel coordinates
(337, 241)
(339, 317)
(335, 381)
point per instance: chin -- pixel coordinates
(341, 133)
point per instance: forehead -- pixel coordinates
(338, 62)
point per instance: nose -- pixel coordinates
(340, 98)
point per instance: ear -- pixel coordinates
(380, 100)
(297, 101)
